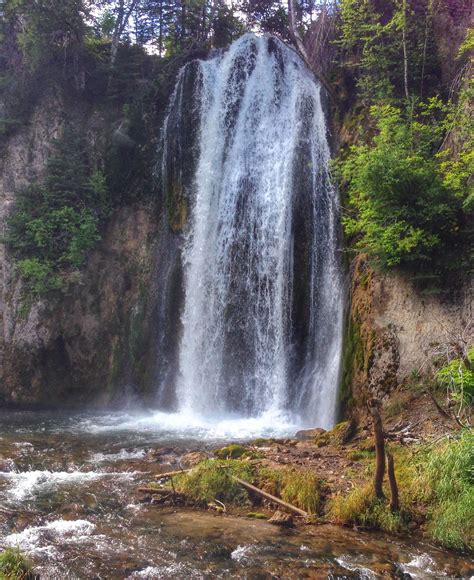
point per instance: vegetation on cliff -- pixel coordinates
(408, 177)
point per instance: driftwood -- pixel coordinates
(169, 474)
(270, 497)
(157, 491)
(392, 480)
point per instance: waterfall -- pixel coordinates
(244, 157)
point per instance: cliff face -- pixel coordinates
(88, 342)
(395, 330)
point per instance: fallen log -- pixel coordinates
(169, 474)
(155, 491)
(270, 497)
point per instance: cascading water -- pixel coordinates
(244, 148)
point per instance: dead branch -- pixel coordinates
(270, 497)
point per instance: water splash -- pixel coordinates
(262, 315)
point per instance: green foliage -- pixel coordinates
(14, 566)
(458, 379)
(372, 37)
(56, 224)
(211, 480)
(403, 213)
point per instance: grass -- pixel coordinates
(14, 565)
(450, 476)
(361, 507)
(212, 479)
(301, 488)
(436, 482)
(359, 454)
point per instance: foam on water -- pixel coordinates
(187, 425)
(29, 484)
(34, 539)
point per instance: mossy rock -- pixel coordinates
(232, 451)
(257, 516)
(262, 442)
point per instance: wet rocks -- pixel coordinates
(281, 519)
(308, 434)
(192, 458)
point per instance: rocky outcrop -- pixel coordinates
(94, 340)
(395, 330)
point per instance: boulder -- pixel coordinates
(307, 434)
(281, 519)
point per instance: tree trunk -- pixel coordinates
(392, 480)
(405, 53)
(374, 405)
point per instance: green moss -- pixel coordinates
(257, 516)
(232, 451)
(14, 565)
(262, 442)
(353, 357)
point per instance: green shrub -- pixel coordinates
(14, 566)
(402, 211)
(55, 225)
(458, 379)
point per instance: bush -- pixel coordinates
(14, 566)
(55, 225)
(458, 380)
(402, 212)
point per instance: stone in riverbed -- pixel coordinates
(193, 458)
(307, 434)
(281, 519)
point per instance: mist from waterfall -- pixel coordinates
(245, 145)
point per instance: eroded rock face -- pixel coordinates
(88, 343)
(395, 329)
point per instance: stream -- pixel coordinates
(68, 500)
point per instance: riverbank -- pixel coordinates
(329, 475)
(69, 501)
